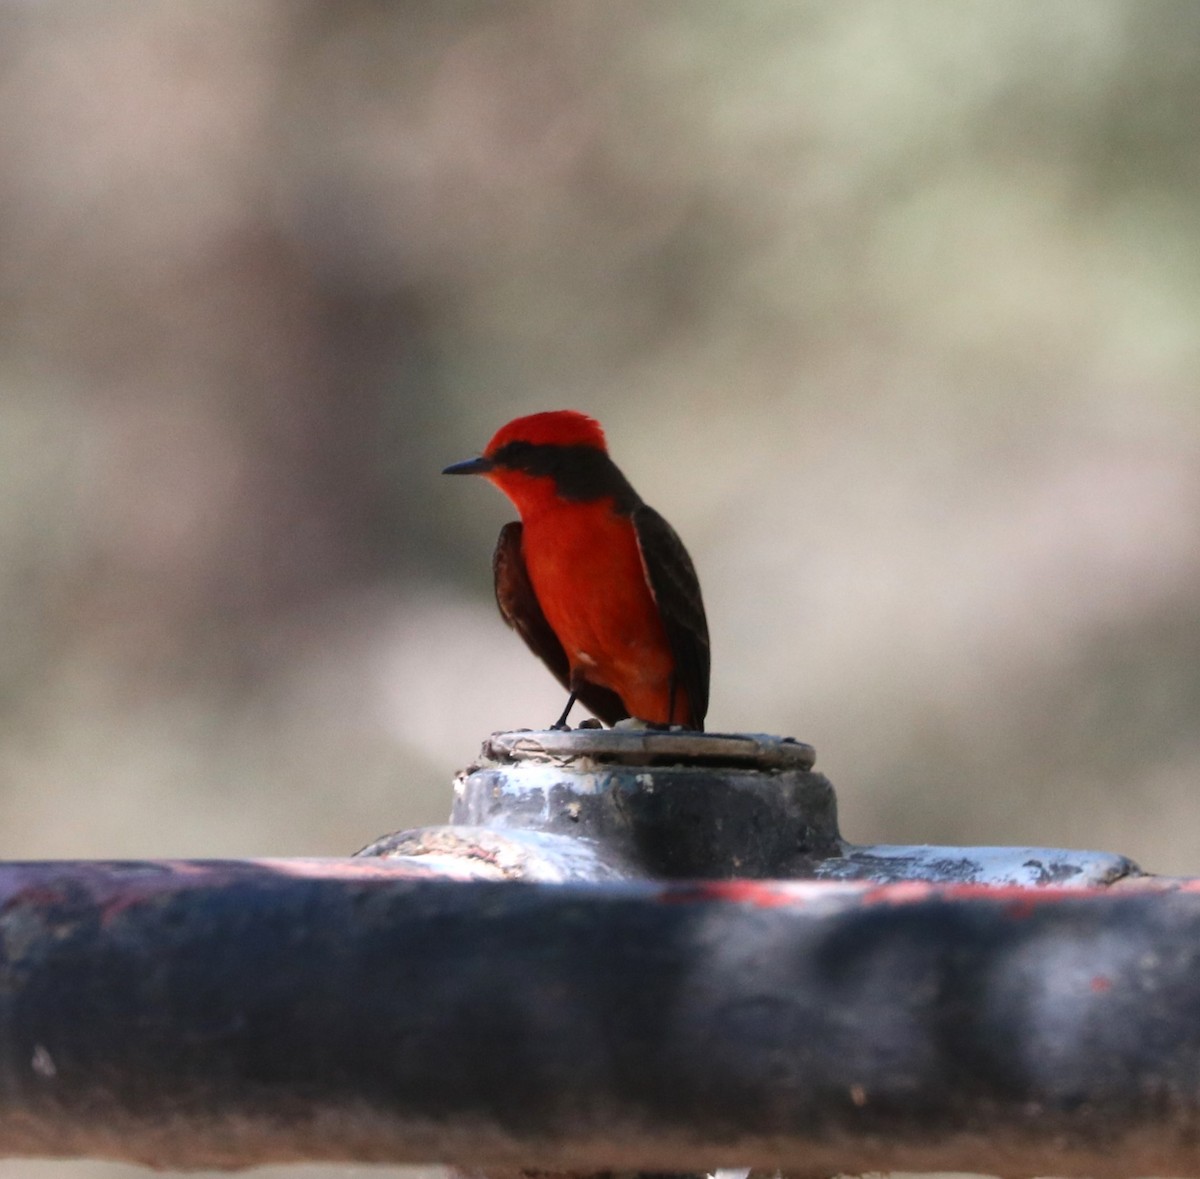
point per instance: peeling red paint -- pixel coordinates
(904, 893)
(114, 888)
(742, 892)
(1019, 901)
(34, 897)
(1022, 907)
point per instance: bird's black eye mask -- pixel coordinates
(579, 472)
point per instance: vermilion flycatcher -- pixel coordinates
(596, 582)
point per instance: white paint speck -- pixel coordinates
(43, 1063)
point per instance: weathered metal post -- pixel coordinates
(628, 951)
(604, 804)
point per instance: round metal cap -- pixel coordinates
(650, 747)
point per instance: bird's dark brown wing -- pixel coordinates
(520, 608)
(676, 589)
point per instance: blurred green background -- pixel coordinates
(892, 309)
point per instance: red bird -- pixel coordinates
(596, 582)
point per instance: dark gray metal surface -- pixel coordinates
(670, 805)
(231, 1014)
(594, 803)
(588, 972)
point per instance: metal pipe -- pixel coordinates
(233, 1014)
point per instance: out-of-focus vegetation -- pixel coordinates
(891, 308)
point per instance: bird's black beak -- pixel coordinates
(475, 466)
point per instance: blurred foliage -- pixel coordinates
(891, 309)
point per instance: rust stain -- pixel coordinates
(741, 892)
(37, 896)
(1018, 901)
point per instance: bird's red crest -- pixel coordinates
(560, 427)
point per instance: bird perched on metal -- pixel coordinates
(596, 582)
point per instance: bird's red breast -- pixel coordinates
(587, 572)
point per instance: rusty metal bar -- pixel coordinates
(231, 1014)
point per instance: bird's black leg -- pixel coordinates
(561, 723)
